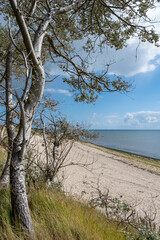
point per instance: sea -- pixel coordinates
(142, 142)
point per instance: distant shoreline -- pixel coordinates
(147, 163)
(127, 152)
(144, 143)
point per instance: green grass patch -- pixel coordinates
(62, 217)
(56, 216)
(3, 157)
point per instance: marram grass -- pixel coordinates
(65, 218)
(58, 217)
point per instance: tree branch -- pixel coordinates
(23, 126)
(24, 30)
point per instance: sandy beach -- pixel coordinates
(132, 181)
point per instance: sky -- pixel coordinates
(139, 108)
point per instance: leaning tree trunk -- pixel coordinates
(4, 179)
(19, 199)
(34, 50)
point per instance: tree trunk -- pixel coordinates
(19, 199)
(2, 132)
(4, 180)
(17, 170)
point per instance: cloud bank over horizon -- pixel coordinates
(130, 120)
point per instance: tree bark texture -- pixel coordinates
(4, 180)
(34, 50)
(19, 199)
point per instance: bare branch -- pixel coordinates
(28, 70)
(23, 126)
(24, 30)
(44, 139)
(33, 8)
(74, 6)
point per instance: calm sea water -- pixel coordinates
(144, 142)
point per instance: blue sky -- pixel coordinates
(139, 109)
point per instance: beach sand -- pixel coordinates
(131, 181)
(128, 178)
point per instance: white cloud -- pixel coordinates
(135, 58)
(104, 121)
(129, 61)
(61, 91)
(131, 120)
(143, 119)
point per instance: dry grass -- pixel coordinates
(56, 216)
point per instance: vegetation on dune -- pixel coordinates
(3, 155)
(58, 217)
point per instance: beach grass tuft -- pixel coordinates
(60, 217)
(56, 216)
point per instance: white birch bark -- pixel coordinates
(18, 191)
(4, 179)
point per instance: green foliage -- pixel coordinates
(146, 234)
(97, 24)
(88, 87)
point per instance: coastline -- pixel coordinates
(129, 153)
(140, 142)
(131, 178)
(138, 160)
(123, 151)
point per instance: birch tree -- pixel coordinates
(46, 30)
